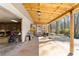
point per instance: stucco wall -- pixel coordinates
(25, 20)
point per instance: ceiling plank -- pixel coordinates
(64, 13)
(49, 12)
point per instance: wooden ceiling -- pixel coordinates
(43, 13)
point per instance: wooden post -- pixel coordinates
(71, 33)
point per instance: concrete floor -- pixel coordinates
(57, 46)
(28, 48)
(53, 47)
(35, 47)
(42, 46)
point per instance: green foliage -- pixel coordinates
(61, 31)
(65, 31)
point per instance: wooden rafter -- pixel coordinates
(65, 13)
(49, 12)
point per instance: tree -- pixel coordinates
(57, 27)
(77, 24)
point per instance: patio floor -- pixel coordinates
(28, 48)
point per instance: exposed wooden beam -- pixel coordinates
(64, 13)
(33, 10)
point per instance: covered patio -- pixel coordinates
(48, 29)
(47, 13)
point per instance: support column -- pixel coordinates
(71, 34)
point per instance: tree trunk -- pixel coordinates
(57, 27)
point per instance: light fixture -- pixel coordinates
(14, 21)
(39, 12)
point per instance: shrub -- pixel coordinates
(67, 32)
(61, 31)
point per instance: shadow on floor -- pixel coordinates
(70, 54)
(56, 38)
(60, 38)
(45, 41)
